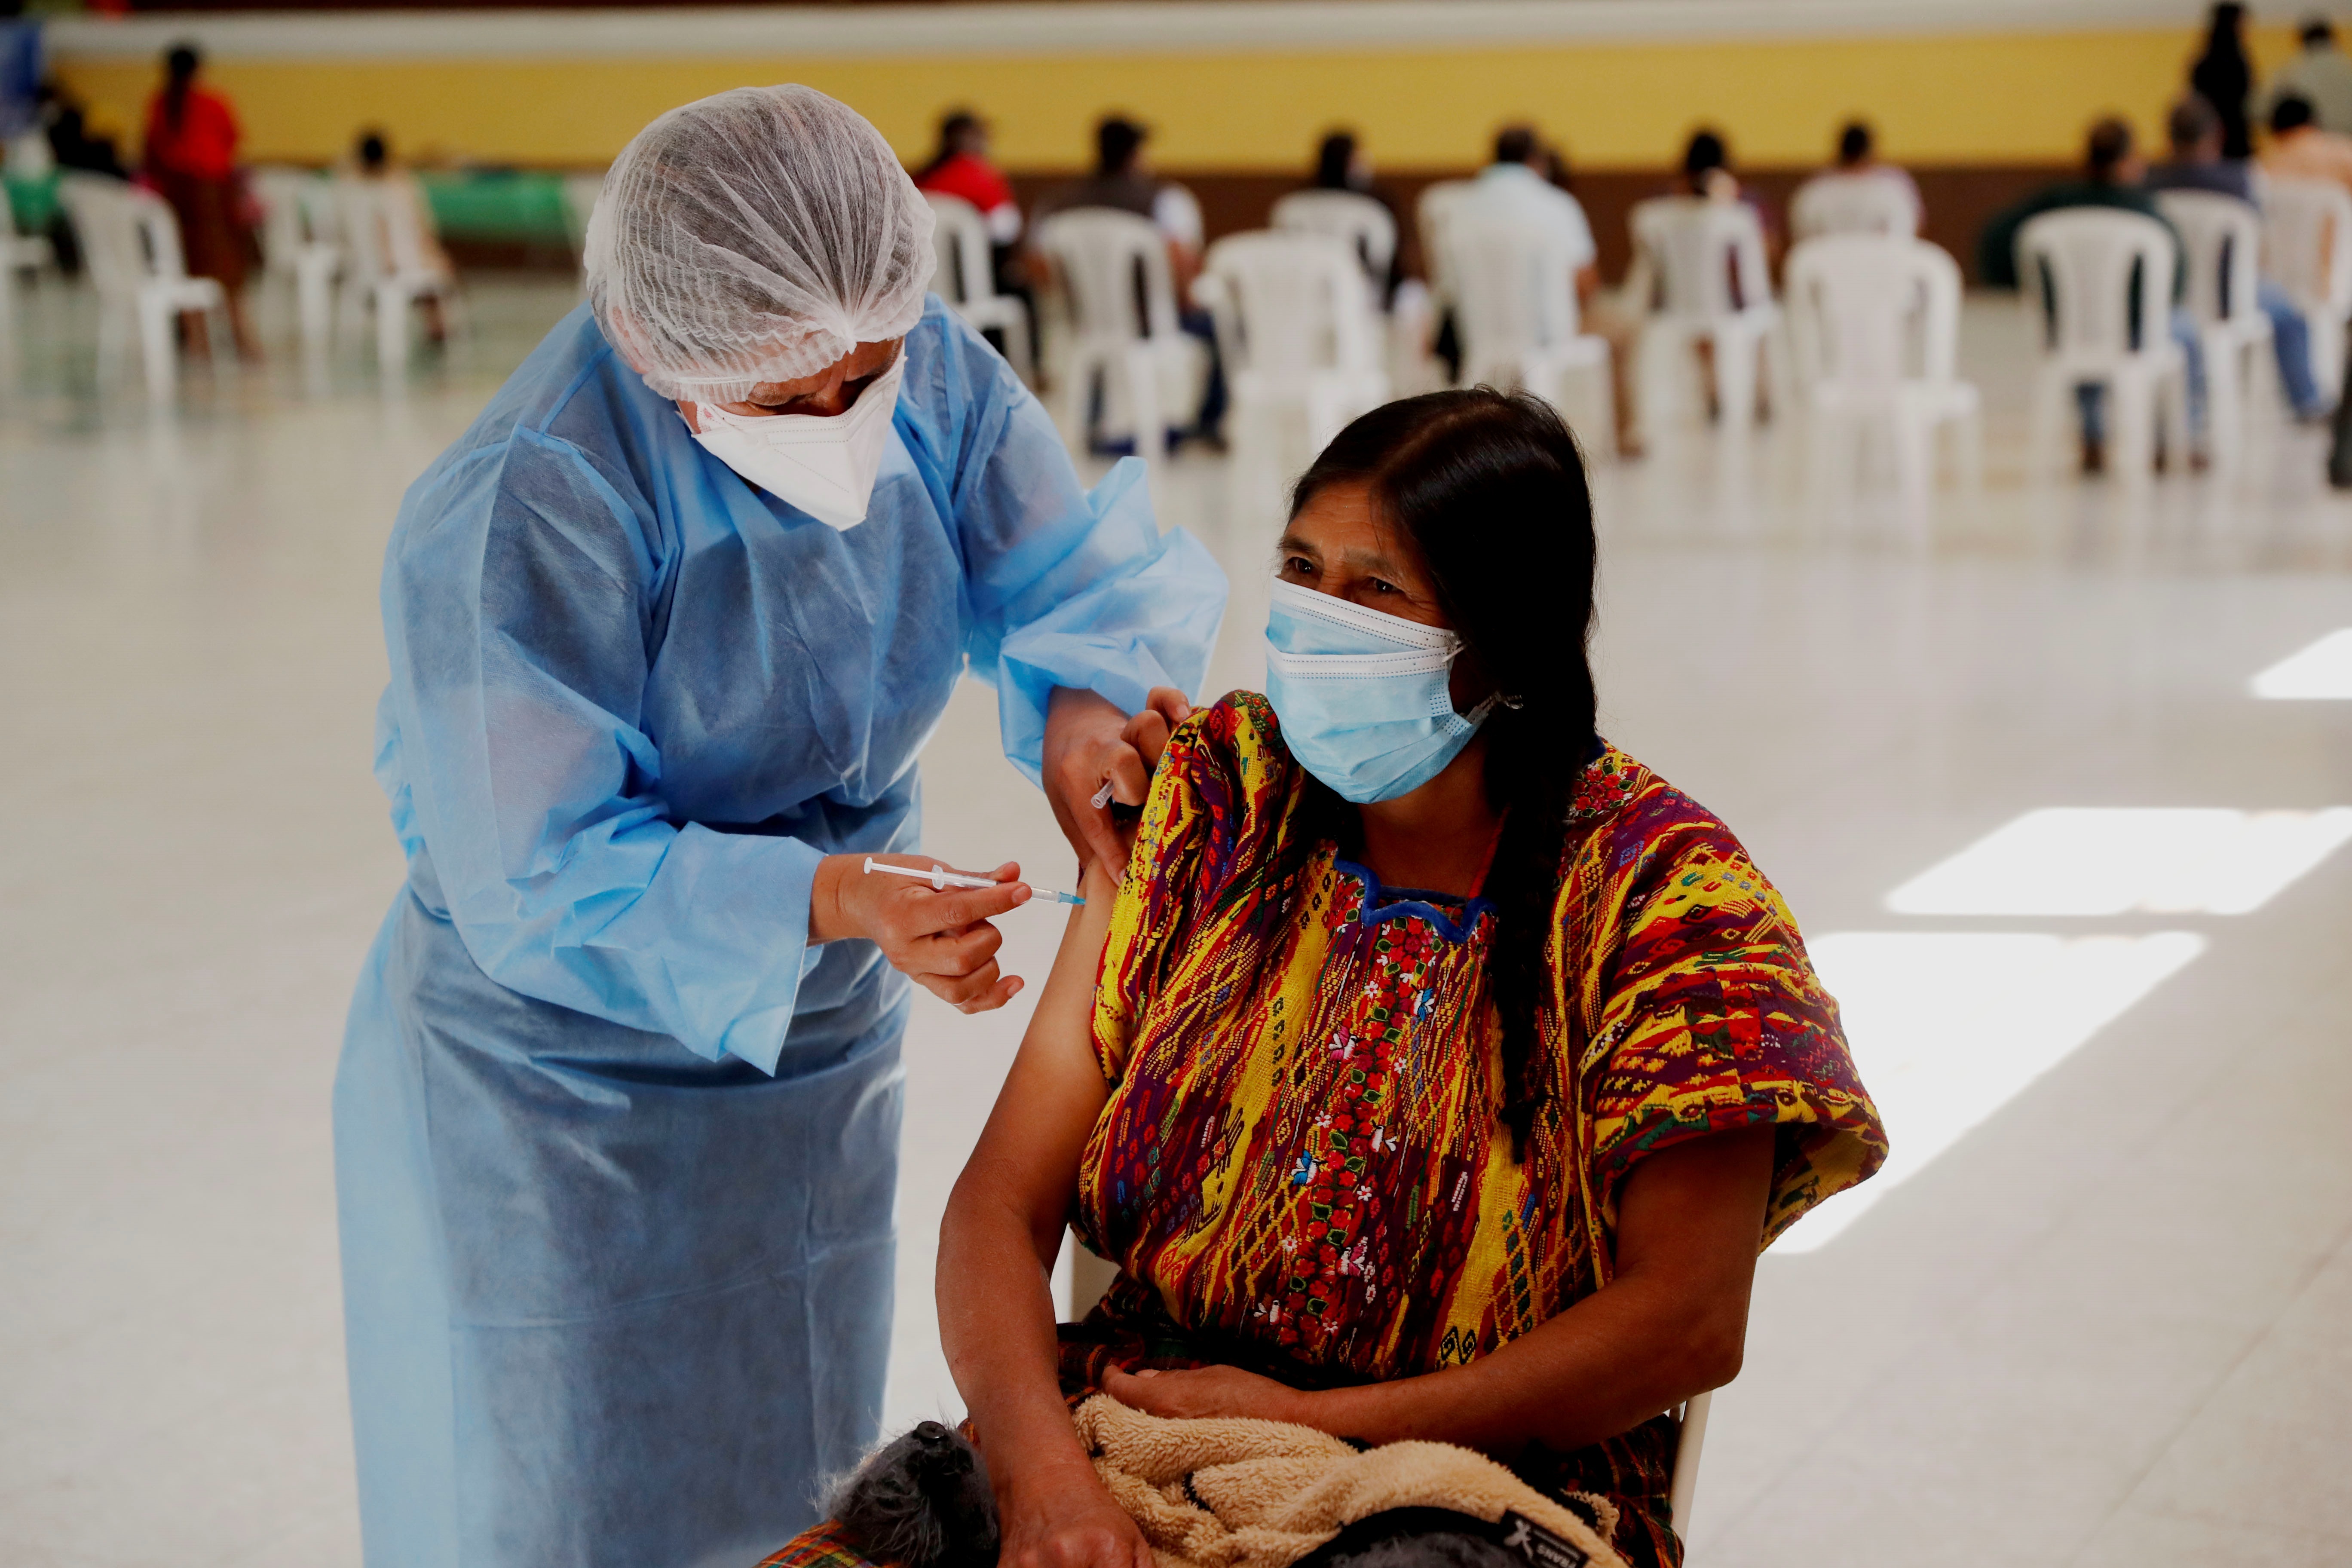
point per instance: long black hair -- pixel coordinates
(180, 66)
(1488, 490)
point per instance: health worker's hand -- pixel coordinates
(1088, 743)
(1207, 1391)
(1063, 1518)
(940, 939)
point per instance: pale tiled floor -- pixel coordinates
(2106, 1327)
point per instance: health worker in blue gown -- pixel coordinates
(617, 1118)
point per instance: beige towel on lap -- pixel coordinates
(1235, 1493)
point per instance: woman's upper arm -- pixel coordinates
(1028, 1153)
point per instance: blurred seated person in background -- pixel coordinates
(2320, 74)
(1123, 180)
(191, 159)
(2300, 150)
(1857, 159)
(2112, 177)
(960, 168)
(1340, 165)
(1706, 171)
(1517, 188)
(2197, 164)
(407, 235)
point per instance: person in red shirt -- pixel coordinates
(960, 168)
(191, 160)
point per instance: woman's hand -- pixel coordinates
(941, 941)
(1089, 743)
(1208, 1391)
(1063, 1518)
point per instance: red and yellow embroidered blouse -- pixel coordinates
(1301, 1150)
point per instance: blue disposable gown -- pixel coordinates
(616, 1148)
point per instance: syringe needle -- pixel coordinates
(940, 877)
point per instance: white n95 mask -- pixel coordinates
(822, 464)
(1363, 697)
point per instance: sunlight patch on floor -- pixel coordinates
(2115, 860)
(1948, 1026)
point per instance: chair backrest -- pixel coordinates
(2307, 243)
(1287, 304)
(1430, 213)
(385, 224)
(1114, 267)
(1708, 256)
(2223, 236)
(1870, 310)
(1513, 291)
(289, 213)
(959, 242)
(1853, 204)
(1365, 226)
(580, 191)
(2078, 265)
(106, 220)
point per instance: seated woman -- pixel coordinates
(1436, 1072)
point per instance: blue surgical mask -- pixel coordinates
(1362, 697)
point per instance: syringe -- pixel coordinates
(943, 879)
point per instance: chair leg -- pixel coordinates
(156, 350)
(1143, 402)
(392, 305)
(2051, 423)
(1737, 389)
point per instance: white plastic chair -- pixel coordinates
(2077, 265)
(131, 243)
(2223, 238)
(966, 279)
(580, 191)
(299, 246)
(1113, 269)
(1299, 333)
(1853, 204)
(2307, 251)
(1874, 321)
(392, 266)
(1704, 261)
(1515, 309)
(1430, 213)
(1365, 226)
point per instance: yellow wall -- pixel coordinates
(1969, 98)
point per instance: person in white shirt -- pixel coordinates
(2321, 75)
(1516, 188)
(1817, 207)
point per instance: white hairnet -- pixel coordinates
(755, 237)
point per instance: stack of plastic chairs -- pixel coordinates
(300, 248)
(131, 245)
(2223, 238)
(1125, 341)
(1853, 204)
(2099, 284)
(2307, 248)
(1876, 322)
(1515, 307)
(1699, 264)
(1299, 335)
(966, 279)
(393, 264)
